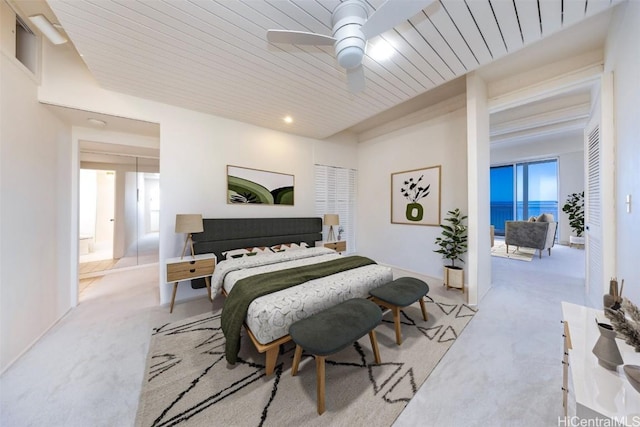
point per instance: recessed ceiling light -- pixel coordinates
(288, 119)
(97, 122)
(380, 51)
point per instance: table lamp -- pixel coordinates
(331, 220)
(189, 223)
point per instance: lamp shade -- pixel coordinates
(331, 219)
(189, 223)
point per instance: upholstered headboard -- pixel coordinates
(222, 234)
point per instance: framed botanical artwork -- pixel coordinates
(258, 187)
(415, 196)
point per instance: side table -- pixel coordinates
(196, 267)
(339, 246)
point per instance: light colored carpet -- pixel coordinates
(188, 382)
(519, 253)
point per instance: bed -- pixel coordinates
(268, 317)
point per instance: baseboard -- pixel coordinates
(34, 342)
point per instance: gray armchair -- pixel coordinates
(539, 234)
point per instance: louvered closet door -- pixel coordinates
(593, 210)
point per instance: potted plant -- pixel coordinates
(453, 244)
(574, 207)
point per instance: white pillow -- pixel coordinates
(289, 247)
(239, 253)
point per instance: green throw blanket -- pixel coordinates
(250, 288)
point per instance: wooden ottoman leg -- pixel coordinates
(374, 345)
(396, 321)
(271, 359)
(320, 383)
(425, 316)
(296, 361)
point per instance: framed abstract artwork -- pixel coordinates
(258, 187)
(415, 196)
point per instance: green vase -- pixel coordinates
(414, 212)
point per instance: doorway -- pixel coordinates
(119, 207)
(96, 217)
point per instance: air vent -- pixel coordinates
(24, 26)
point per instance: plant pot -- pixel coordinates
(414, 212)
(574, 240)
(454, 277)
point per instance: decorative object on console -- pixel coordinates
(420, 201)
(606, 349)
(189, 223)
(613, 299)
(627, 326)
(331, 220)
(453, 244)
(574, 207)
(254, 186)
(340, 231)
(633, 375)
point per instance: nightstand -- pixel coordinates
(339, 246)
(179, 269)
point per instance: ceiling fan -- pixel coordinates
(352, 27)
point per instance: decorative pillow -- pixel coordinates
(532, 219)
(289, 247)
(545, 217)
(239, 253)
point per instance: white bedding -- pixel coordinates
(270, 316)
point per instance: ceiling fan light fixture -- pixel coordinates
(288, 119)
(380, 51)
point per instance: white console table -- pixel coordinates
(591, 391)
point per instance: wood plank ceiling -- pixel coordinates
(212, 56)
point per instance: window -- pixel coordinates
(336, 194)
(523, 190)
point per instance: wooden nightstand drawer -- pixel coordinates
(188, 269)
(340, 246)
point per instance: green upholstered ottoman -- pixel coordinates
(332, 330)
(398, 294)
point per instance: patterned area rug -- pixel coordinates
(189, 383)
(521, 254)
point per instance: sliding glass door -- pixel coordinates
(523, 190)
(537, 189)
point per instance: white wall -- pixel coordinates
(35, 202)
(195, 150)
(439, 141)
(623, 59)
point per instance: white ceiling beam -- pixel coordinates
(576, 79)
(562, 115)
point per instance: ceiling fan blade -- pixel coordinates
(299, 37)
(392, 13)
(355, 79)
